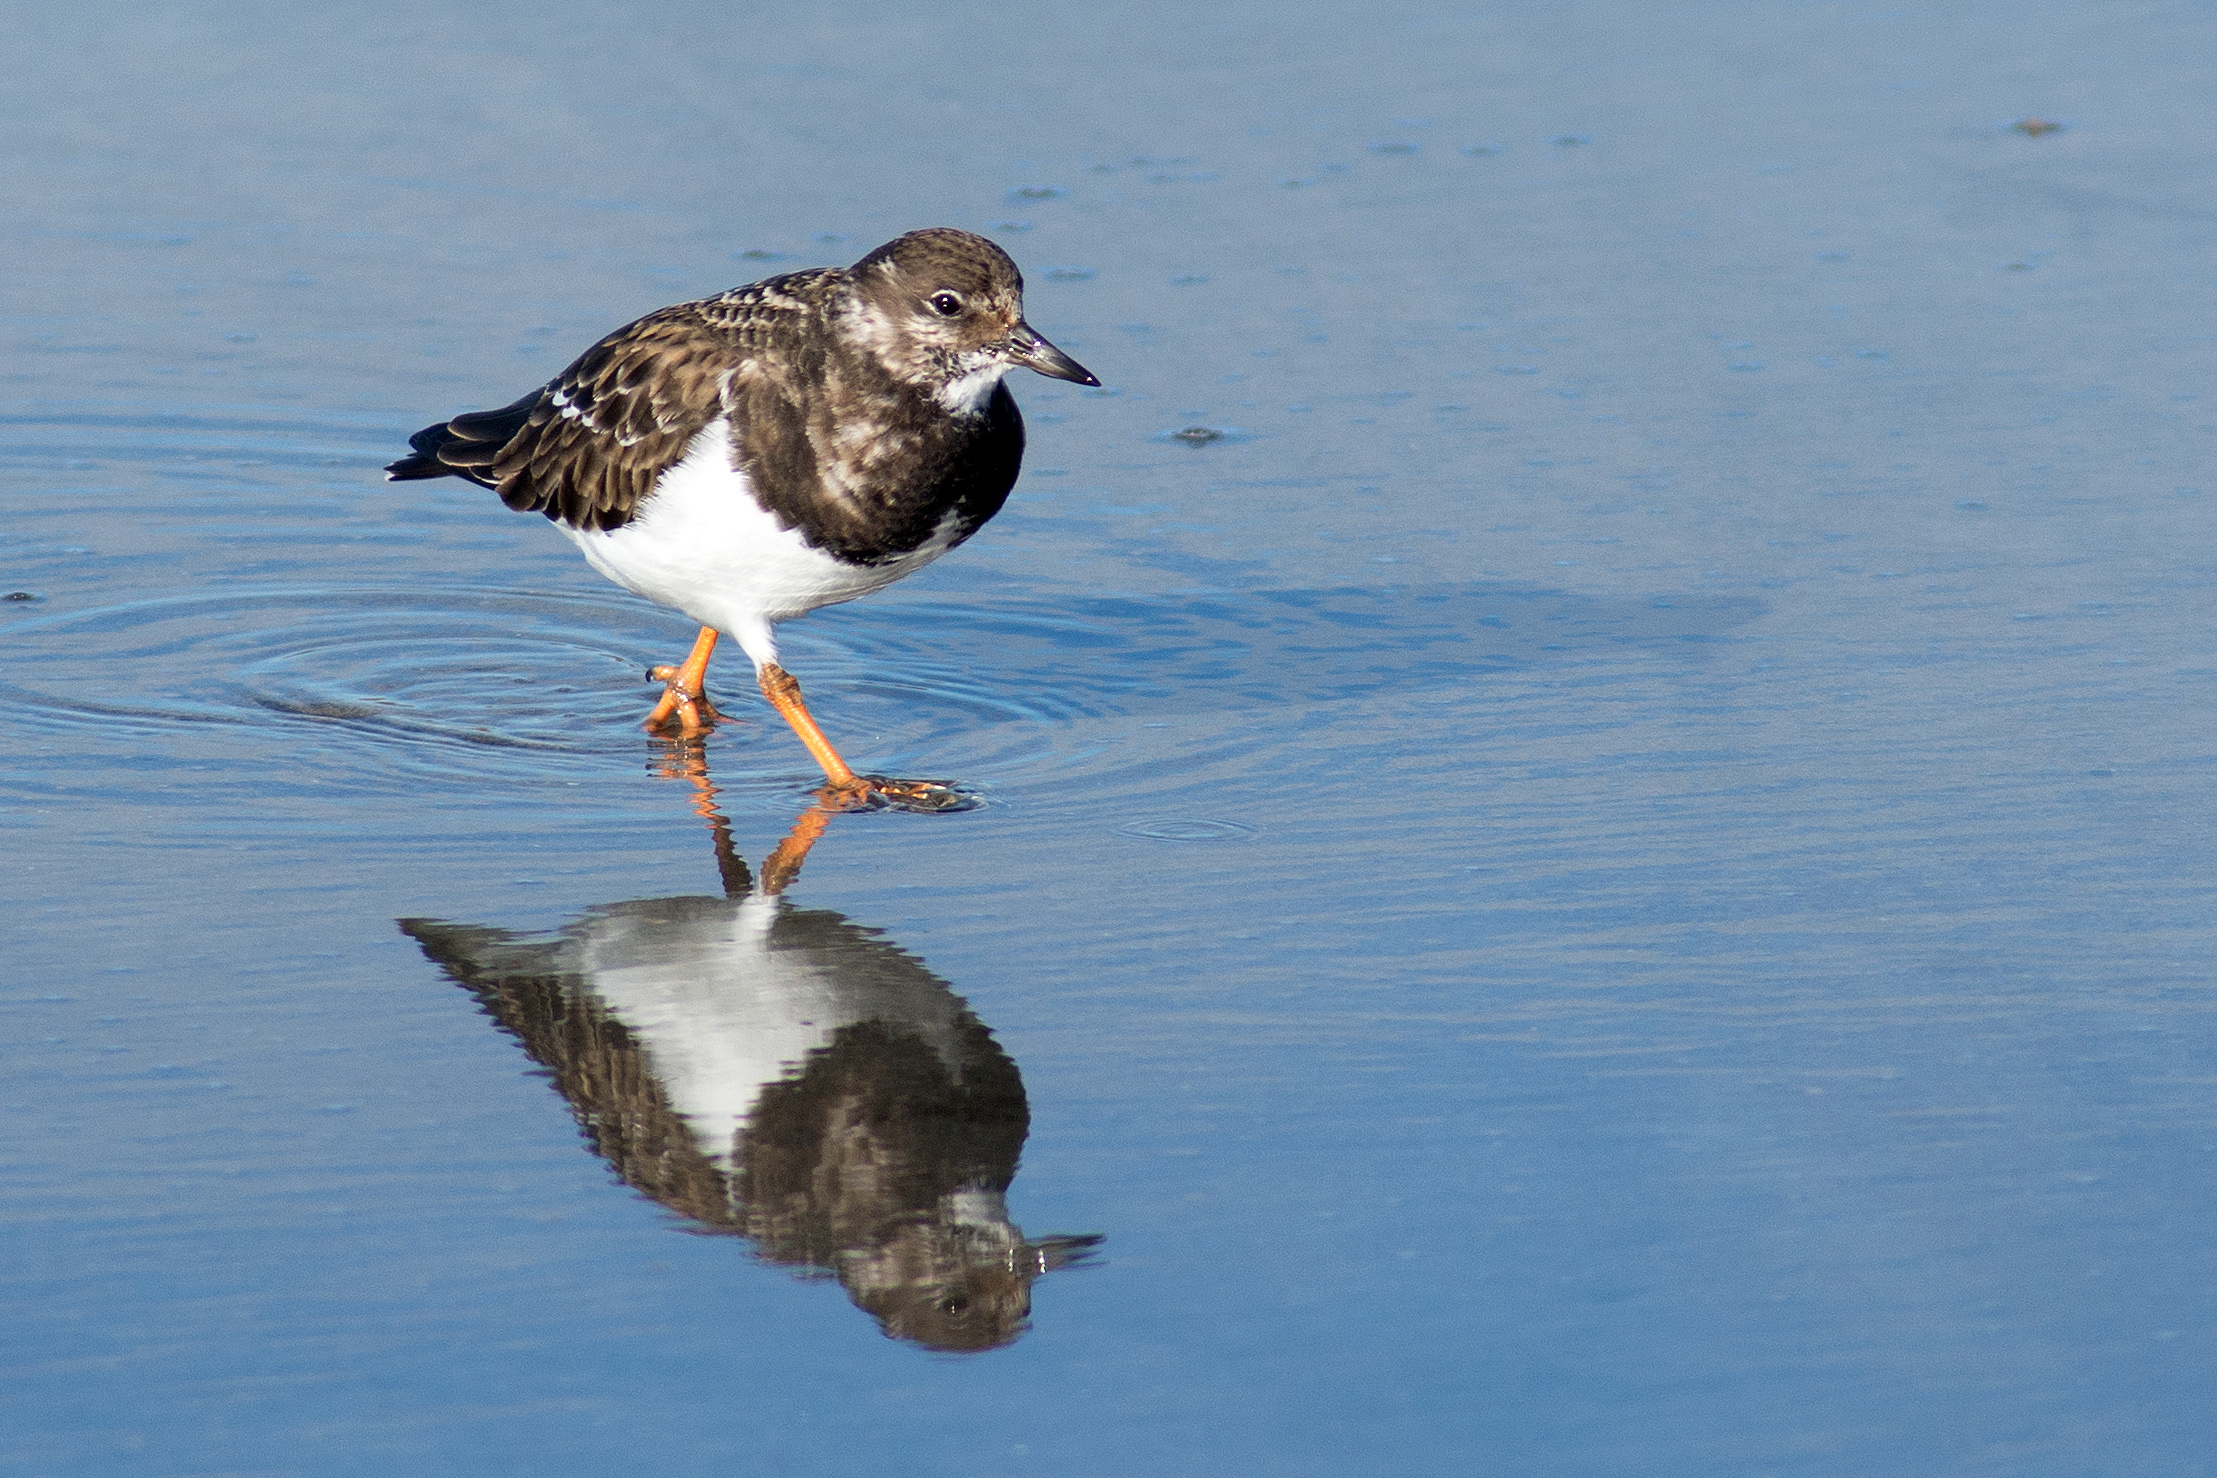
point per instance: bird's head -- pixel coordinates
(944, 309)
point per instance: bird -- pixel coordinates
(782, 446)
(785, 1075)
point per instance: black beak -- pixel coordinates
(1028, 349)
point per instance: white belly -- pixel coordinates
(721, 1014)
(701, 544)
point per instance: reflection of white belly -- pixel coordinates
(721, 1014)
(701, 544)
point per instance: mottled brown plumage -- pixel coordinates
(857, 1163)
(780, 447)
(835, 383)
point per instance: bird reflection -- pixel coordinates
(783, 1075)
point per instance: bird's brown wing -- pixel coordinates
(587, 448)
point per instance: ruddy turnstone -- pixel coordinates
(784, 1075)
(790, 444)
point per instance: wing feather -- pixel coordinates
(586, 448)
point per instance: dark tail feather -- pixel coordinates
(422, 464)
(466, 446)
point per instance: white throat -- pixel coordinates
(968, 395)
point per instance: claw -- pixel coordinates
(682, 712)
(878, 793)
(685, 709)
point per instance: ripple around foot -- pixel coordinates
(429, 683)
(468, 682)
(433, 680)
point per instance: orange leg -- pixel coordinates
(848, 790)
(784, 692)
(685, 690)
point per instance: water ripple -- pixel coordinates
(469, 682)
(433, 676)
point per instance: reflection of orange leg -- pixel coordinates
(685, 690)
(687, 759)
(782, 866)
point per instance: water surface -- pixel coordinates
(1614, 878)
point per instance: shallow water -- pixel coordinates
(1614, 879)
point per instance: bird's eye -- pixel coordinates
(946, 305)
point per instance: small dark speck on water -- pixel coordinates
(2035, 126)
(757, 254)
(1573, 140)
(1198, 435)
(21, 595)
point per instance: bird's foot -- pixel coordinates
(683, 710)
(877, 793)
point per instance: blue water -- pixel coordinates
(1616, 879)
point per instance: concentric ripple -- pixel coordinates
(468, 682)
(1188, 829)
(431, 678)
